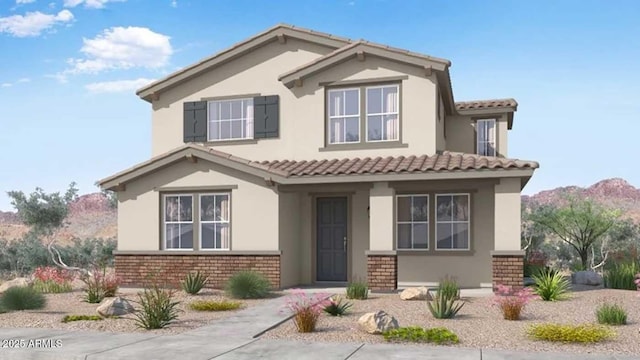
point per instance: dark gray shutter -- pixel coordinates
(266, 117)
(195, 121)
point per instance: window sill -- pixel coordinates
(231, 142)
(432, 252)
(363, 146)
(195, 252)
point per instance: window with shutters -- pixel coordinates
(230, 119)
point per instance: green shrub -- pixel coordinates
(611, 314)
(444, 305)
(550, 285)
(157, 308)
(449, 287)
(621, 276)
(336, 306)
(194, 282)
(357, 290)
(584, 333)
(248, 284)
(417, 334)
(70, 318)
(22, 298)
(212, 305)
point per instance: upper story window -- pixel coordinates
(344, 116)
(230, 119)
(486, 137)
(382, 113)
(363, 114)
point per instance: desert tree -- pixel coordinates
(46, 214)
(580, 223)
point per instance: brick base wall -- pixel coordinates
(382, 272)
(508, 270)
(134, 269)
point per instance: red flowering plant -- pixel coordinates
(306, 309)
(50, 279)
(99, 285)
(511, 304)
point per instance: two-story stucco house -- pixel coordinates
(314, 158)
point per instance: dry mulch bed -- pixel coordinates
(59, 305)
(479, 325)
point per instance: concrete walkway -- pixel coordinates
(235, 338)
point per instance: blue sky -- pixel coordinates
(69, 70)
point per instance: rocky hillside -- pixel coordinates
(89, 217)
(615, 193)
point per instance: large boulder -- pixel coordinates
(115, 306)
(14, 283)
(415, 293)
(377, 322)
(587, 278)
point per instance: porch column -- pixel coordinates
(382, 262)
(507, 256)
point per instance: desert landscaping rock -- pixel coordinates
(415, 293)
(591, 278)
(115, 306)
(21, 281)
(480, 325)
(377, 322)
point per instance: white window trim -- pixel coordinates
(366, 115)
(485, 143)
(164, 220)
(219, 121)
(414, 222)
(200, 222)
(468, 222)
(329, 117)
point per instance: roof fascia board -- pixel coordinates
(234, 52)
(351, 51)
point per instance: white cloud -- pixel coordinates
(19, 2)
(60, 77)
(92, 4)
(122, 48)
(6, 85)
(117, 85)
(19, 81)
(174, 3)
(33, 23)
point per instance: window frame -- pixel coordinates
(329, 117)
(241, 119)
(487, 143)
(428, 248)
(200, 222)
(468, 222)
(164, 221)
(362, 85)
(383, 114)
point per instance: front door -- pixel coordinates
(331, 235)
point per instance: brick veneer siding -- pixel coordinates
(133, 269)
(382, 272)
(508, 270)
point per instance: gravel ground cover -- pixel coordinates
(59, 305)
(480, 325)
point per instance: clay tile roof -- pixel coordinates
(444, 162)
(486, 104)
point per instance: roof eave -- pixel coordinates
(508, 110)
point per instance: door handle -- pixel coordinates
(344, 243)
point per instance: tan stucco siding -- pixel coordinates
(254, 207)
(381, 221)
(441, 141)
(255, 73)
(507, 214)
(302, 109)
(461, 135)
(289, 239)
(470, 269)
(306, 234)
(359, 234)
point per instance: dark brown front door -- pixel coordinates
(331, 238)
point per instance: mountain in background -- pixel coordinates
(90, 216)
